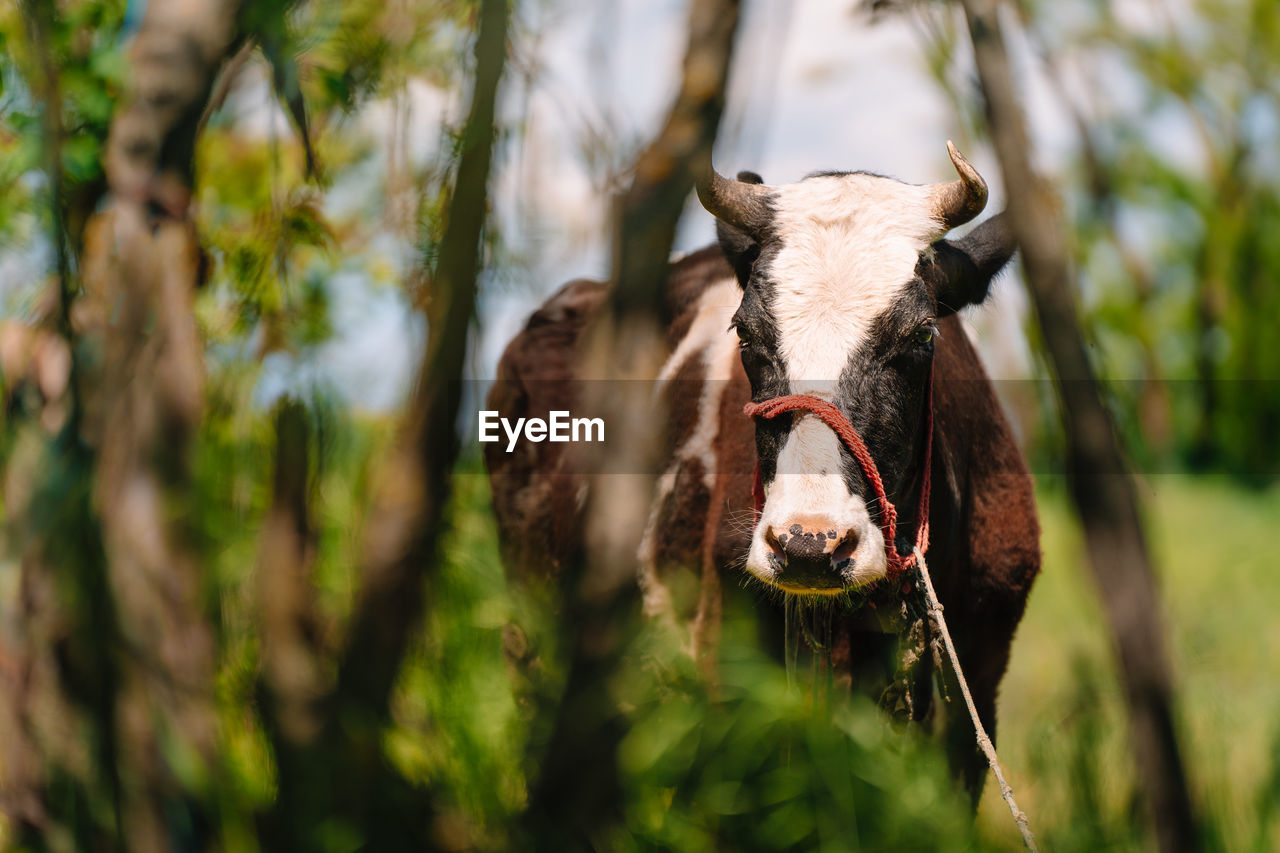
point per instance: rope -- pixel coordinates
(827, 412)
(984, 741)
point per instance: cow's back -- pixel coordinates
(538, 490)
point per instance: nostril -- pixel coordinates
(777, 545)
(842, 556)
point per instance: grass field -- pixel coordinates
(1062, 726)
(1063, 729)
(759, 765)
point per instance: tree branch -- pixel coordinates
(408, 520)
(291, 665)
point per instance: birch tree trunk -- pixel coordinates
(143, 400)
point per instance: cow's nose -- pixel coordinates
(812, 553)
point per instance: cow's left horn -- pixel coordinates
(960, 201)
(737, 203)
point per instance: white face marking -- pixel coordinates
(849, 245)
(809, 490)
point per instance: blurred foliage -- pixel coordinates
(755, 762)
(1178, 268)
(1165, 128)
(80, 48)
(275, 239)
(750, 765)
(1179, 131)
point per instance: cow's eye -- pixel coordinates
(924, 335)
(743, 343)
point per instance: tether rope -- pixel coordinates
(839, 424)
(984, 741)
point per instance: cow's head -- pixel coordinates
(844, 276)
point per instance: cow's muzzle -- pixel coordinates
(811, 556)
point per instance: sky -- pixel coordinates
(815, 85)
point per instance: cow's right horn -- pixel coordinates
(736, 203)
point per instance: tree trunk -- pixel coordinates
(1100, 484)
(337, 769)
(117, 644)
(577, 799)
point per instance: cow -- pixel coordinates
(840, 287)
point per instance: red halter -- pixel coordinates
(840, 425)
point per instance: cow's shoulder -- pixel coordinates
(986, 472)
(688, 280)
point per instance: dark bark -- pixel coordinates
(116, 643)
(577, 800)
(30, 675)
(1101, 488)
(287, 621)
(340, 772)
(408, 519)
(1154, 406)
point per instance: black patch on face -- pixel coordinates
(740, 248)
(881, 391)
(764, 365)
(959, 273)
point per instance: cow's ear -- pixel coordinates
(738, 246)
(959, 273)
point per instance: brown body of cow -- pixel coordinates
(984, 551)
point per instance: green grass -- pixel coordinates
(755, 766)
(1062, 726)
